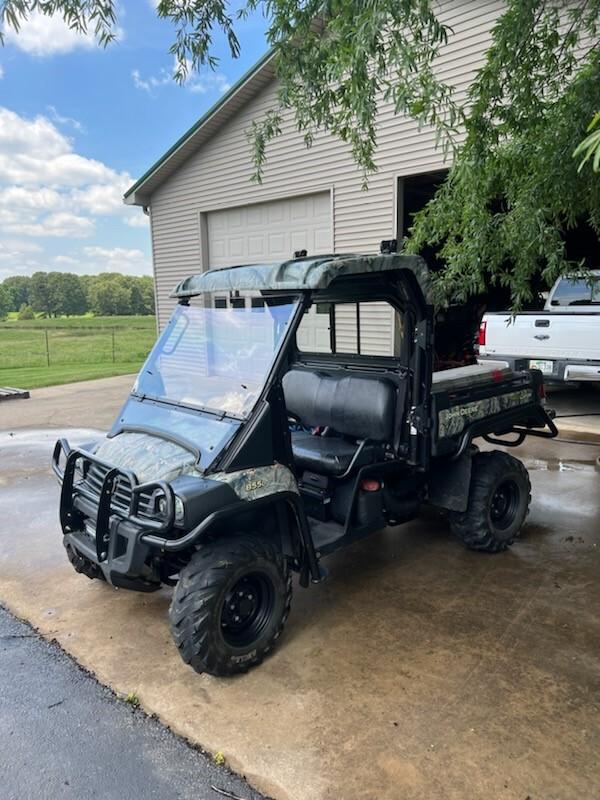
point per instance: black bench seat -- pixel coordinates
(330, 455)
(357, 409)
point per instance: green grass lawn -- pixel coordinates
(78, 348)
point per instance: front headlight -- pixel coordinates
(160, 505)
(179, 511)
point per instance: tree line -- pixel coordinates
(55, 294)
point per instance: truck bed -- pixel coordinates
(564, 345)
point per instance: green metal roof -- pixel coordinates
(197, 125)
(299, 274)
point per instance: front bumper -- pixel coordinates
(106, 524)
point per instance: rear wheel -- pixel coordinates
(499, 500)
(83, 565)
(230, 604)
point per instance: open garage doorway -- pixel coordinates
(457, 326)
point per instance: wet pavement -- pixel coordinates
(418, 670)
(62, 735)
(577, 410)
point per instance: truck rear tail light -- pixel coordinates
(482, 330)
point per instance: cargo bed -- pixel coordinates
(482, 400)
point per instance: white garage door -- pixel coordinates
(273, 231)
(270, 231)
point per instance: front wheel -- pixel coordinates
(230, 604)
(499, 500)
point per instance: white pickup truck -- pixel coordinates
(563, 340)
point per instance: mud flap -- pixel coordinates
(449, 484)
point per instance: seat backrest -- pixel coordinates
(358, 407)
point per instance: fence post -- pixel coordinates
(47, 348)
(113, 345)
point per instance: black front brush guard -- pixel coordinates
(69, 515)
(152, 529)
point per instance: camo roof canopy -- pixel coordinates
(299, 274)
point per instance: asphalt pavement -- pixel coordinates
(63, 735)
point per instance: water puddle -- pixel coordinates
(42, 437)
(561, 465)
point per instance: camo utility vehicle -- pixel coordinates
(267, 429)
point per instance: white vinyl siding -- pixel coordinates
(217, 176)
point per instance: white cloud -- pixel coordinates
(140, 220)
(63, 224)
(27, 137)
(198, 82)
(50, 192)
(208, 82)
(19, 257)
(12, 250)
(47, 189)
(115, 259)
(62, 120)
(42, 35)
(1, 72)
(151, 83)
(67, 262)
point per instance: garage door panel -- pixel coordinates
(270, 231)
(255, 215)
(218, 249)
(275, 212)
(322, 205)
(300, 210)
(298, 240)
(256, 246)
(322, 240)
(277, 248)
(236, 247)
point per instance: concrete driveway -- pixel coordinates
(418, 670)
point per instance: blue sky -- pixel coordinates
(78, 124)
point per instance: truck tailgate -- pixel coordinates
(543, 334)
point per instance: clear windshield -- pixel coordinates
(215, 358)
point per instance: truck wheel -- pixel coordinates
(83, 565)
(230, 604)
(499, 500)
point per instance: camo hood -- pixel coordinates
(149, 457)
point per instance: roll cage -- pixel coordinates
(265, 436)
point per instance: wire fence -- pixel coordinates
(39, 347)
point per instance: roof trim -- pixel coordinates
(128, 197)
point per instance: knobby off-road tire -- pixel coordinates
(83, 565)
(499, 500)
(230, 604)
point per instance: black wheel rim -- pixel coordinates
(504, 505)
(247, 609)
